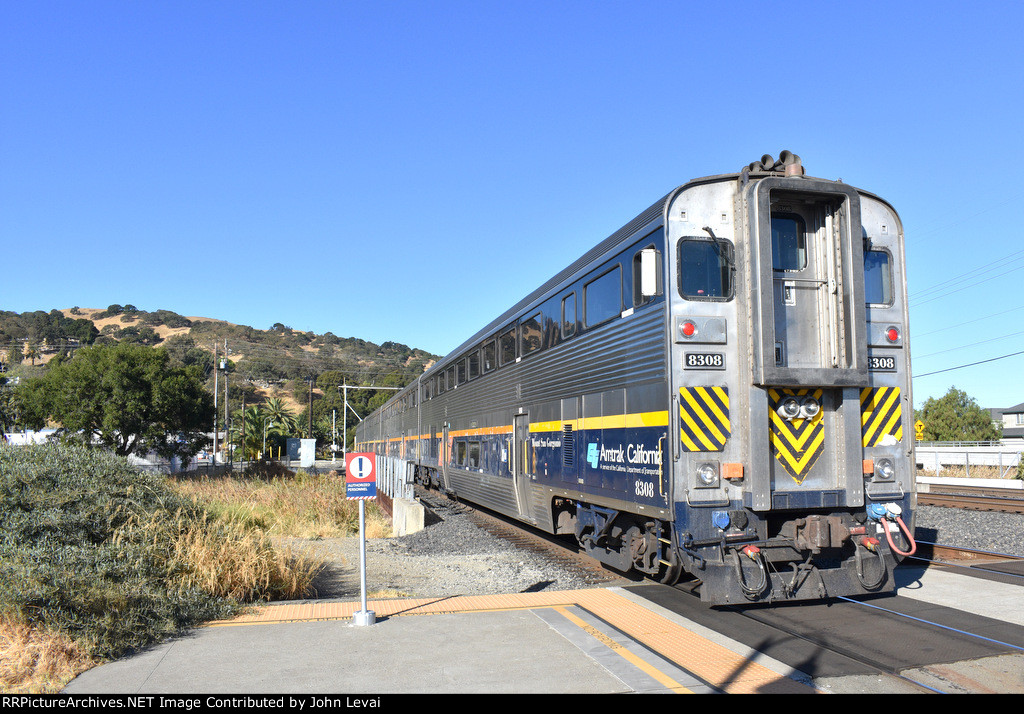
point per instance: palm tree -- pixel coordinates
(247, 433)
(283, 419)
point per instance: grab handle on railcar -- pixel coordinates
(661, 465)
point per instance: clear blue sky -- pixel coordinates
(407, 170)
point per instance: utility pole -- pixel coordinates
(216, 374)
(309, 432)
(227, 414)
(243, 431)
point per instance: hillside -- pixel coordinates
(278, 362)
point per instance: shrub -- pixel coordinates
(84, 540)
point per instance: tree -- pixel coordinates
(128, 397)
(8, 407)
(15, 354)
(247, 431)
(281, 417)
(956, 417)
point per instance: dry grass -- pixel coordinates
(37, 661)
(975, 472)
(238, 562)
(303, 506)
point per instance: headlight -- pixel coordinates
(707, 475)
(809, 408)
(885, 470)
(789, 408)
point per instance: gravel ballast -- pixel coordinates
(450, 557)
(981, 530)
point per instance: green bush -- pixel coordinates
(85, 544)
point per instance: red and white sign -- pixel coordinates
(360, 475)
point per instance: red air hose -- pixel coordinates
(906, 533)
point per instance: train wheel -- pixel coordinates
(671, 570)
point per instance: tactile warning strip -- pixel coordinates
(716, 664)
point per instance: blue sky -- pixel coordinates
(406, 171)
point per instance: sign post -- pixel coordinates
(361, 484)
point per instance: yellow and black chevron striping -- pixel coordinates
(880, 414)
(798, 443)
(704, 418)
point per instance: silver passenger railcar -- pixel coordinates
(718, 389)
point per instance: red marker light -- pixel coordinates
(689, 329)
(892, 334)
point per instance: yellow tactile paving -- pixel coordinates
(718, 665)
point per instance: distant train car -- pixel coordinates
(718, 389)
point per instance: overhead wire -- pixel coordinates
(972, 364)
(961, 323)
(961, 278)
(973, 344)
(949, 287)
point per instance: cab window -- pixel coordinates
(705, 269)
(877, 277)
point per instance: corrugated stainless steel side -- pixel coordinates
(626, 353)
(620, 237)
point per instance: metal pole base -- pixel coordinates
(361, 618)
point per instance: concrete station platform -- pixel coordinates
(596, 641)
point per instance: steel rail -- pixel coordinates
(971, 502)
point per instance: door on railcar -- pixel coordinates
(444, 458)
(519, 460)
(809, 342)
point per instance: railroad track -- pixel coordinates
(1002, 500)
(940, 554)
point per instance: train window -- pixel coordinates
(473, 457)
(646, 275)
(789, 242)
(532, 333)
(602, 298)
(490, 356)
(450, 374)
(460, 372)
(705, 269)
(473, 364)
(569, 315)
(877, 278)
(508, 346)
(460, 453)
